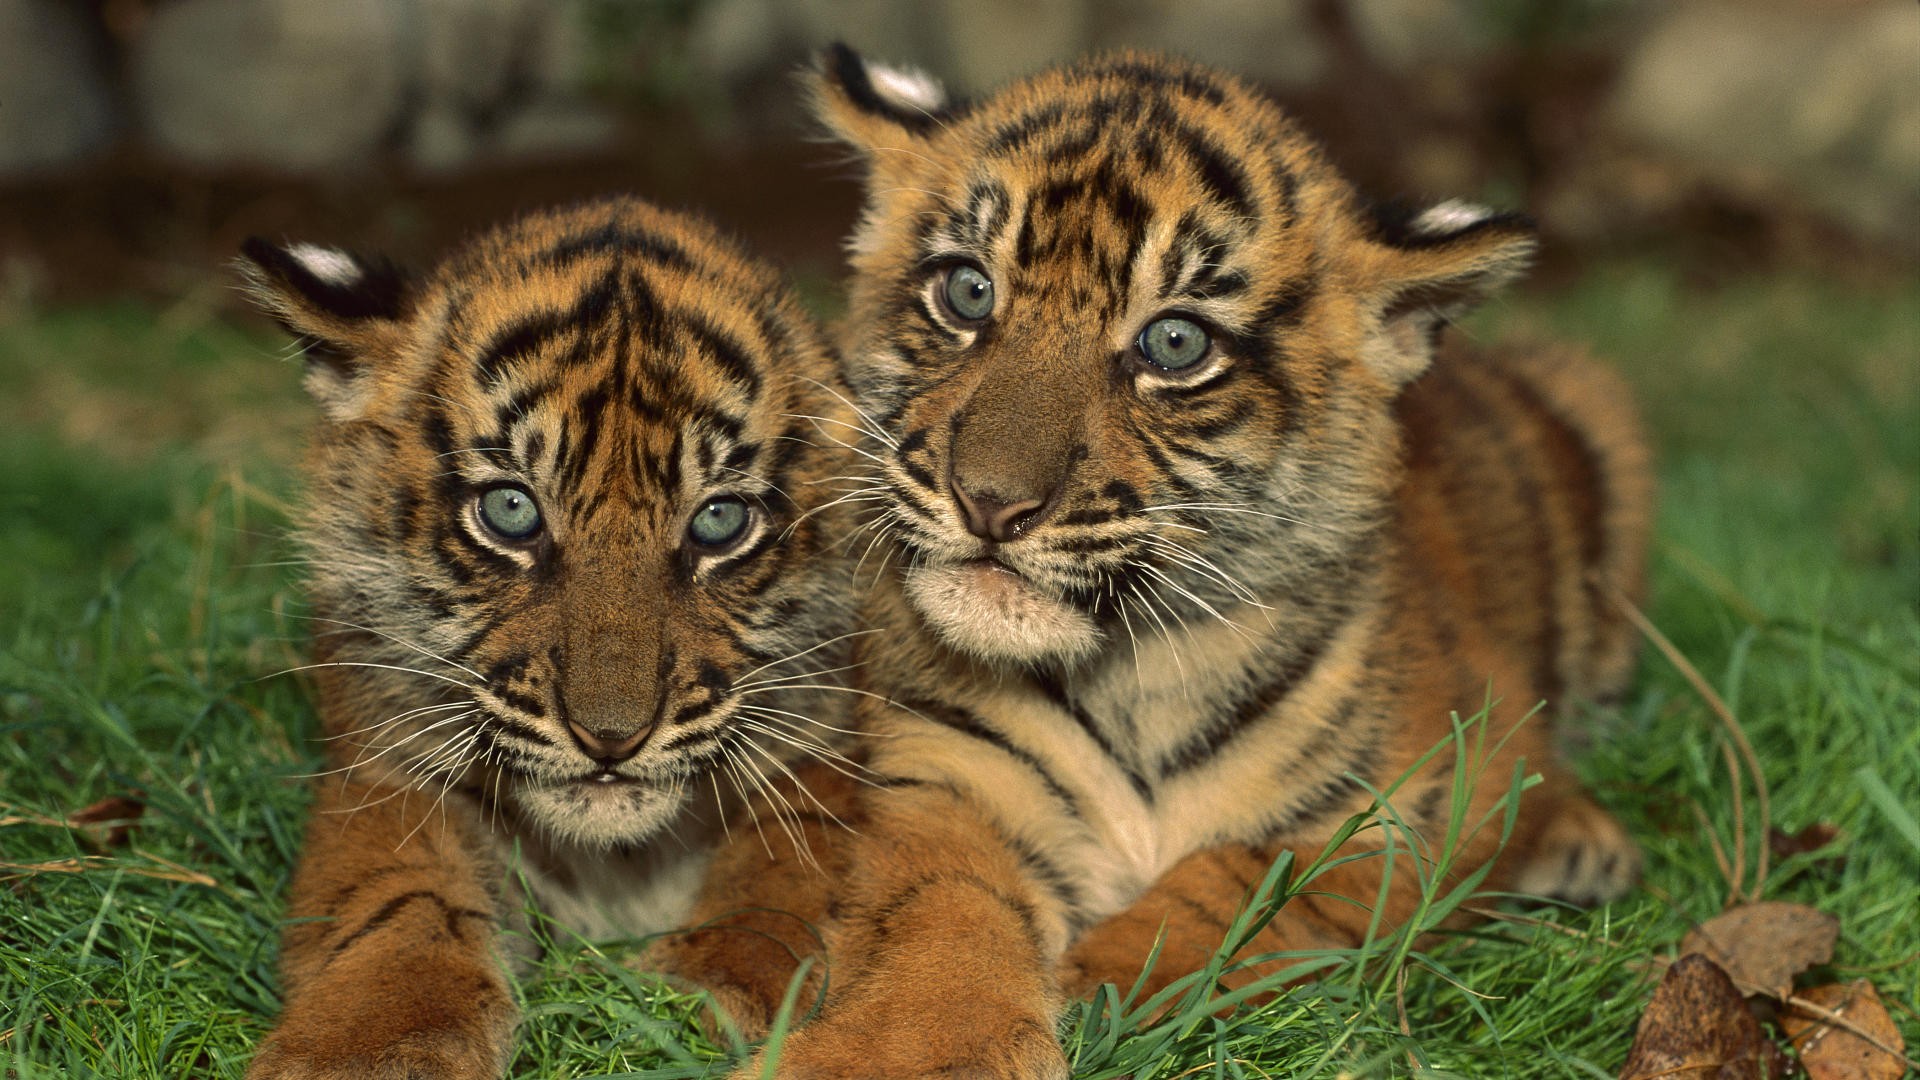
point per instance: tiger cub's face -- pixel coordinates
(1131, 343)
(561, 513)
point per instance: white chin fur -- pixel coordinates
(600, 815)
(996, 616)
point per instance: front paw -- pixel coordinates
(410, 1027)
(948, 1044)
(745, 966)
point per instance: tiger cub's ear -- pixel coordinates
(1422, 270)
(347, 311)
(874, 107)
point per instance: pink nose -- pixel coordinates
(609, 746)
(993, 519)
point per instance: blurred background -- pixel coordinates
(140, 139)
(1678, 149)
(1729, 192)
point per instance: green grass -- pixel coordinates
(143, 600)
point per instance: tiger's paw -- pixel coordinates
(860, 1045)
(1583, 856)
(1114, 952)
(442, 1056)
(429, 1030)
(745, 969)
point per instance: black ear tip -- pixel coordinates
(260, 251)
(840, 63)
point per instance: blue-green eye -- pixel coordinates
(719, 521)
(969, 292)
(1174, 344)
(510, 512)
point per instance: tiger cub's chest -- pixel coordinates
(624, 892)
(1098, 752)
(1178, 751)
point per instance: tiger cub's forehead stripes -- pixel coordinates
(1131, 199)
(662, 346)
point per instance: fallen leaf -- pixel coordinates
(1763, 945)
(1829, 1051)
(106, 822)
(1814, 837)
(1698, 1027)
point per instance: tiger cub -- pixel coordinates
(1201, 535)
(568, 551)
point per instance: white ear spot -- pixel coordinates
(330, 265)
(907, 87)
(1450, 217)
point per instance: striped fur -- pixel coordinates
(577, 710)
(1152, 627)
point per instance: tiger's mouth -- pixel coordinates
(991, 610)
(600, 807)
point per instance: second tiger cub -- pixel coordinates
(1199, 537)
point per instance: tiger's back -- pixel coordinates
(1525, 505)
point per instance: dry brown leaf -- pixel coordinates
(1698, 1027)
(106, 822)
(1763, 945)
(1819, 835)
(1829, 1051)
(1811, 838)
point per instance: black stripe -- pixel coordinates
(1056, 692)
(1015, 134)
(616, 237)
(1044, 872)
(1250, 706)
(586, 415)
(1547, 637)
(344, 893)
(728, 352)
(881, 915)
(1161, 462)
(532, 332)
(1222, 176)
(971, 724)
(507, 727)
(1187, 83)
(394, 906)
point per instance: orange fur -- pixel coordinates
(766, 908)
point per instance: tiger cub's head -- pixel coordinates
(562, 513)
(1132, 341)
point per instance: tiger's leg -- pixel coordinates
(1576, 852)
(763, 906)
(1187, 912)
(388, 966)
(943, 955)
(1583, 856)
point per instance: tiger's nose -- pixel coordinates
(991, 518)
(609, 747)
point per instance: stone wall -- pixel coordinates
(1812, 105)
